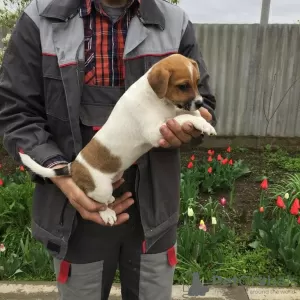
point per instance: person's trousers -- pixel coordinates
(96, 252)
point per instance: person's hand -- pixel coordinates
(88, 208)
(175, 135)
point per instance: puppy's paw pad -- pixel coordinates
(108, 216)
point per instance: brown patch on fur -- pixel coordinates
(169, 76)
(99, 157)
(82, 177)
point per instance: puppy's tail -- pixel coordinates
(42, 171)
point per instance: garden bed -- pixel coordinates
(234, 239)
(247, 189)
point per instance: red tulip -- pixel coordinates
(224, 161)
(295, 207)
(22, 169)
(219, 157)
(223, 201)
(280, 202)
(209, 159)
(192, 157)
(261, 209)
(230, 162)
(264, 184)
(211, 152)
(228, 149)
(190, 165)
(209, 170)
(1, 182)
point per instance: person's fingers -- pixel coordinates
(87, 203)
(176, 129)
(205, 114)
(86, 215)
(118, 183)
(122, 218)
(164, 144)
(169, 138)
(122, 203)
(191, 130)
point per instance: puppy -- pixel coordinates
(168, 90)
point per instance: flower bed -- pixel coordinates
(220, 233)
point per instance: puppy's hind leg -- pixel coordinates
(103, 194)
(198, 122)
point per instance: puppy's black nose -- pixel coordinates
(198, 104)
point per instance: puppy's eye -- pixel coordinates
(183, 87)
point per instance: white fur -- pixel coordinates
(132, 129)
(35, 167)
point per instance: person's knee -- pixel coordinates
(79, 281)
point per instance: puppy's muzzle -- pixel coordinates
(197, 103)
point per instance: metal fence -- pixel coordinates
(255, 74)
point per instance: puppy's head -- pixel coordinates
(176, 79)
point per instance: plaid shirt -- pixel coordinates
(104, 43)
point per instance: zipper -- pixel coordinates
(61, 219)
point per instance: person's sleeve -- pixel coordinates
(22, 107)
(189, 48)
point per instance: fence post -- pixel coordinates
(265, 12)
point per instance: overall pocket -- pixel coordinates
(98, 103)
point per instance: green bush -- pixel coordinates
(21, 257)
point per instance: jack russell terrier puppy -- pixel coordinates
(167, 90)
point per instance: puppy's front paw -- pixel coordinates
(211, 130)
(108, 216)
(205, 127)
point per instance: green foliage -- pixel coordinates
(277, 228)
(217, 171)
(15, 205)
(285, 161)
(23, 258)
(9, 15)
(199, 250)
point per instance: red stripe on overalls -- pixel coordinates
(172, 257)
(63, 272)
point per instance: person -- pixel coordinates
(66, 65)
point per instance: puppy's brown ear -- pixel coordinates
(158, 79)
